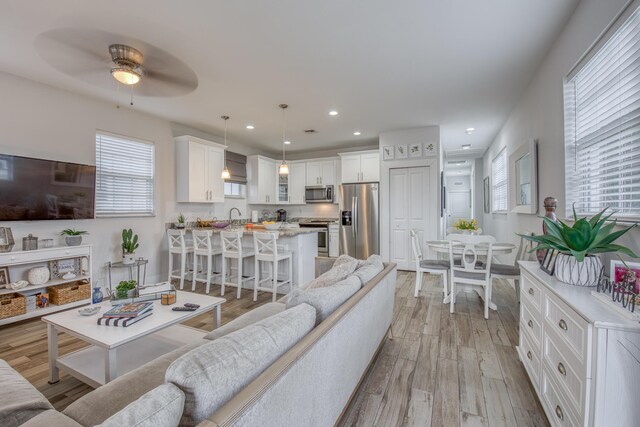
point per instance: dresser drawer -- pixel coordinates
(24, 257)
(569, 325)
(531, 324)
(530, 357)
(566, 370)
(531, 294)
(558, 412)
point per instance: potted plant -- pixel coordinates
(73, 237)
(465, 226)
(181, 221)
(129, 246)
(577, 262)
(126, 289)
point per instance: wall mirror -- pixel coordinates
(523, 179)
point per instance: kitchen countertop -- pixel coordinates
(287, 232)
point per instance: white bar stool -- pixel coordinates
(203, 247)
(266, 247)
(178, 246)
(232, 249)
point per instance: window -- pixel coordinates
(602, 125)
(499, 179)
(233, 189)
(124, 176)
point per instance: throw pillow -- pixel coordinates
(344, 259)
(213, 373)
(327, 299)
(161, 407)
(334, 275)
(369, 269)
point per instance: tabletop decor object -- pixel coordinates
(38, 275)
(577, 262)
(29, 243)
(6, 239)
(73, 237)
(129, 246)
(466, 226)
(181, 221)
(550, 205)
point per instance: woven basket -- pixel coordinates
(12, 305)
(70, 292)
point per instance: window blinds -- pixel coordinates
(602, 127)
(499, 178)
(124, 176)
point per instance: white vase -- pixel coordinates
(128, 258)
(572, 272)
(38, 275)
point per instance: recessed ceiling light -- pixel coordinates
(250, 127)
(333, 113)
(287, 142)
(470, 130)
(466, 146)
(357, 133)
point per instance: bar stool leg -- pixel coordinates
(275, 279)
(239, 277)
(209, 267)
(224, 275)
(290, 262)
(256, 279)
(170, 266)
(183, 268)
(195, 272)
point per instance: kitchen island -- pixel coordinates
(302, 242)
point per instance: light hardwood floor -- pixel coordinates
(440, 369)
(445, 369)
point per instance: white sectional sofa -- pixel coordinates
(296, 362)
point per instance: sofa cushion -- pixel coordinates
(369, 269)
(334, 275)
(95, 407)
(345, 259)
(213, 373)
(327, 299)
(19, 400)
(51, 418)
(247, 319)
(161, 407)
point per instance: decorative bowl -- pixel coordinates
(89, 311)
(221, 224)
(275, 226)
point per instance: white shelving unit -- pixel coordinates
(20, 262)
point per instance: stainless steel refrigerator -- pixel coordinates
(360, 220)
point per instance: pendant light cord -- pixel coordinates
(283, 132)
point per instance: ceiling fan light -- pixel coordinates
(284, 168)
(125, 75)
(225, 173)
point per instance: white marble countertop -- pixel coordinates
(284, 232)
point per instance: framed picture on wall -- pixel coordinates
(429, 149)
(415, 150)
(401, 151)
(487, 195)
(388, 152)
(4, 276)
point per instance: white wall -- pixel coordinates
(539, 114)
(405, 137)
(458, 183)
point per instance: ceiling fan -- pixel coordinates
(91, 55)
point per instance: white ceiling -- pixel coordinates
(384, 65)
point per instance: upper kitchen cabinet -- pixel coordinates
(361, 166)
(199, 165)
(321, 172)
(262, 174)
(297, 174)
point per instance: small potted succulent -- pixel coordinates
(465, 226)
(181, 221)
(129, 246)
(126, 289)
(577, 262)
(73, 237)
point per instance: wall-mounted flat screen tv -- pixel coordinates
(36, 189)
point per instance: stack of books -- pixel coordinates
(126, 314)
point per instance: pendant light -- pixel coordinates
(225, 172)
(284, 168)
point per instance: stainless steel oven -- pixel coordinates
(318, 194)
(323, 235)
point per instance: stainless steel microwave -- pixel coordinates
(318, 194)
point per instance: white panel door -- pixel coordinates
(459, 206)
(409, 209)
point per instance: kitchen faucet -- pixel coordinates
(231, 211)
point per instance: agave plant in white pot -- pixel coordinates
(577, 262)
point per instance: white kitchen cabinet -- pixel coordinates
(582, 357)
(362, 166)
(297, 174)
(262, 174)
(321, 172)
(199, 165)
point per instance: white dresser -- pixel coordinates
(582, 357)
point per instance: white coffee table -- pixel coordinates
(117, 350)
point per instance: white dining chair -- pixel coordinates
(178, 246)
(431, 266)
(471, 274)
(204, 248)
(232, 249)
(512, 272)
(267, 252)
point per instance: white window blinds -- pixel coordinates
(124, 176)
(499, 182)
(602, 127)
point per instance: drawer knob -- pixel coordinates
(531, 291)
(529, 355)
(562, 324)
(562, 369)
(530, 323)
(559, 412)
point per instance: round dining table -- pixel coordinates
(498, 248)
